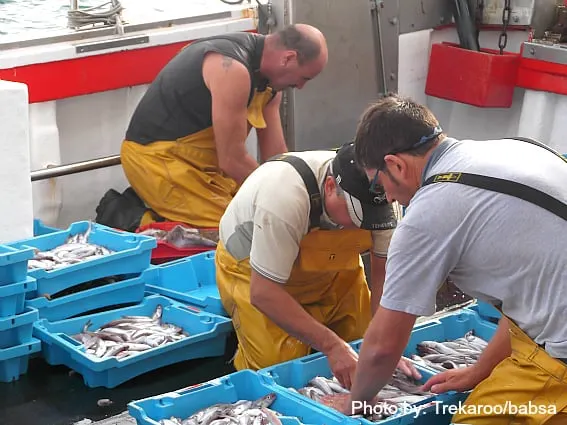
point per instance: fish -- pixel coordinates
(184, 237)
(74, 250)
(129, 335)
(452, 354)
(241, 412)
(401, 391)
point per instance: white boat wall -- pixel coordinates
(82, 89)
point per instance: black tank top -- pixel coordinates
(178, 103)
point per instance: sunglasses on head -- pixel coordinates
(374, 186)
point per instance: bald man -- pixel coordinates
(184, 153)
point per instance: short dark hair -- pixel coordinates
(306, 47)
(394, 124)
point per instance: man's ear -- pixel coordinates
(330, 185)
(396, 165)
(289, 57)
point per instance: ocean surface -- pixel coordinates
(35, 18)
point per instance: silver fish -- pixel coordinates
(76, 249)
(321, 383)
(400, 391)
(458, 353)
(124, 337)
(242, 412)
(184, 237)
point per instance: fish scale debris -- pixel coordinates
(400, 393)
(76, 249)
(129, 335)
(184, 237)
(242, 412)
(453, 354)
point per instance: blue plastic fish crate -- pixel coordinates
(12, 296)
(297, 373)
(127, 291)
(450, 327)
(243, 385)
(14, 360)
(207, 338)
(131, 254)
(485, 311)
(14, 263)
(191, 280)
(17, 330)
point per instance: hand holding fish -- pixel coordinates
(453, 380)
(408, 368)
(343, 360)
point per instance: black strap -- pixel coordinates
(310, 183)
(507, 187)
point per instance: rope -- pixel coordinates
(94, 15)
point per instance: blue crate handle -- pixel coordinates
(196, 388)
(191, 308)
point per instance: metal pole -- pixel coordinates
(77, 167)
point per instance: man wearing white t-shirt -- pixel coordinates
(288, 262)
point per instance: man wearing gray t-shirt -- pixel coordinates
(496, 247)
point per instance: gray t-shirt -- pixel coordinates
(495, 247)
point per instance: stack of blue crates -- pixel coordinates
(54, 321)
(130, 258)
(16, 320)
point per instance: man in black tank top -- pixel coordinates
(184, 153)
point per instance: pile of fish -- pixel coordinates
(129, 335)
(242, 412)
(76, 249)
(184, 237)
(442, 356)
(401, 392)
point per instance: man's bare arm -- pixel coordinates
(229, 83)
(377, 277)
(271, 139)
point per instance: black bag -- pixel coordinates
(122, 210)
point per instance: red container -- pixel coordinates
(485, 79)
(164, 251)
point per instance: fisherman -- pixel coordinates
(184, 154)
(288, 262)
(471, 214)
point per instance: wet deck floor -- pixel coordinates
(52, 395)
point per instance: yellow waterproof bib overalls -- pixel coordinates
(327, 279)
(530, 386)
(180, 179)
(527, 388)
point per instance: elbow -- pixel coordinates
(258, 297)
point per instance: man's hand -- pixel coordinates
(343, 360)
(408, 368)
(453, 380)
(340, 402)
